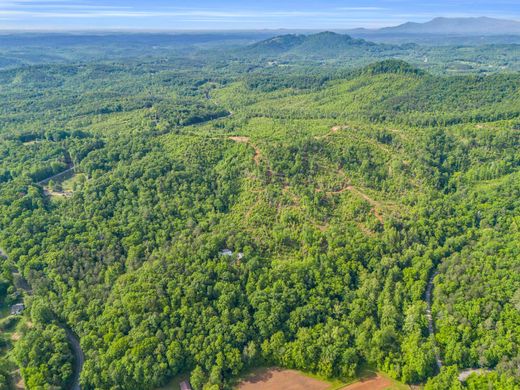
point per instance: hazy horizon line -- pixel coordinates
(224, 30)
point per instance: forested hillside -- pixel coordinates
(338, 193)
(254, 50)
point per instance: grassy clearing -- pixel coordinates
(65, 185)
(70, 183)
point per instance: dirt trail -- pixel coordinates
(375, 205)
(246, 140)
(333, 130)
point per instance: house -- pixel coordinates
(17, 309)
(185, 385)
(226, 252)
(229, 253)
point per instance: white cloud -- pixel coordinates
(88, 13)
(81, 11)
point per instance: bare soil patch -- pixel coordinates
(335, 129)
(19, 384)
(374, 383)
(240, 139)
(16, 336)
(57, 194)
(277, 379)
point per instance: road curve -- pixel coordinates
(79, 357)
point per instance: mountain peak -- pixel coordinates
(482, 25)
(322, 42)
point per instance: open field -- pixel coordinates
(67, 184)
(276, 378)
(377, 382)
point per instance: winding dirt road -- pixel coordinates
(246, 140)
(375, 205)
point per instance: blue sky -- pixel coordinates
(235, 14)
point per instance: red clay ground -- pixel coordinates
(375, 383)
(278, 379)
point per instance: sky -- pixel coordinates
(237, 14)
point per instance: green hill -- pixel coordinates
(321, 45)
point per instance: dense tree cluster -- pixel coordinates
(45, 357)
(341, 193)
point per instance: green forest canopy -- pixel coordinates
(344, 191)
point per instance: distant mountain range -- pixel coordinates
(440, 30)
(450, 26)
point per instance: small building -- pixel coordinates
(185, 385)
(226, 252)
(229, 253)
(17, 309)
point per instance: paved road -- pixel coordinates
(79, 357)
(431, 326)
(46, 181)
(463, 375)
